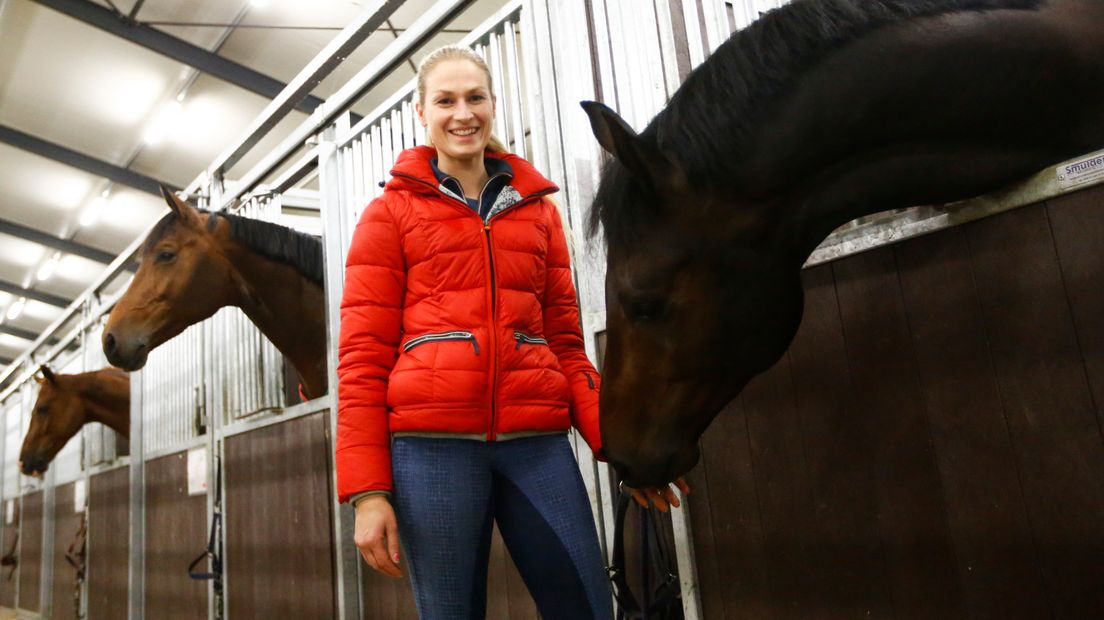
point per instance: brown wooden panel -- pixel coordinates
(985, 507)
(279, 541)
(845, 557)
(9, 574)
(725, 489)
(66, 526)
(30, 552)
(782, 488)
(1077, 221)
(386, 598)
(109, 544)
(888, 404)
(176, 532)
(1048, 404)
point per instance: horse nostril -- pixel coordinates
(109, 344)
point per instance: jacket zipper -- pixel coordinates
(442, 336)
(494, 332)
(523, 338)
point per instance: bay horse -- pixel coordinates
(194, 262)
(66, 403)
(820, 112)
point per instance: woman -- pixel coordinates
(462, 366)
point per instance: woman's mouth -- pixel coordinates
(464, 132)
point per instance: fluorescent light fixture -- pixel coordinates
(49, 267)
(93, 210)
(16, 308)
(163, 122)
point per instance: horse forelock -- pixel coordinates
(159, 232)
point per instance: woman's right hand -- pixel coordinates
(376, 533)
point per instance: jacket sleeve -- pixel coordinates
(565, 337)
(371, 326)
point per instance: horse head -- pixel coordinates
(183, 278)
(58, 415)
(695, 306)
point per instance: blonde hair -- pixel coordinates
(456, 52)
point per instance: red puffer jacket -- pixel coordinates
(450, 325)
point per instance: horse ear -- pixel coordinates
(643, 160)
(181, 209)
(48, 374)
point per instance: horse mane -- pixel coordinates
(273, 241)
(716, 111)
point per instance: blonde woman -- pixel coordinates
(462, 368)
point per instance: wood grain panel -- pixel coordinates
(279, 541)
(176, 532)
(108, 544)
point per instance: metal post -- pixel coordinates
(136, 578)
(335, 216)
(213, 414)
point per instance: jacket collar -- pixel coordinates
(413, 171)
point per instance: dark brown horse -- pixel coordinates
(820, 112)
(65, 404)
(194, 262)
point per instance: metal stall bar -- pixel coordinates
(336, 218)
(375, 14)
(394, 54)
(136, 585)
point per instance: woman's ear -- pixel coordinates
(421, 112)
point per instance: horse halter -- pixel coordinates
(665, 601)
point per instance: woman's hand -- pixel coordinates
(376, 533)
(663, 497)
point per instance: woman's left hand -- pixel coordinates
(663, 497)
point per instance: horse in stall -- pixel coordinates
(65, 404)
(820, 112)
(194, 262)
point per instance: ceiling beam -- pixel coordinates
(18, 333)
(9, 227)
(46, 298)
(91, 165)
(177, 49)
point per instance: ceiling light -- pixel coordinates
(47, 269)
(259, 4)
(162, 122)
(16, 308)
(93, 210)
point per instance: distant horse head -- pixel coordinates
(57, 415)
(65, 403)
(184, 277)
(195, 262)
(820, 112)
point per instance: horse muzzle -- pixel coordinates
(127, 353)
(653, 470)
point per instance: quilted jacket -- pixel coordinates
(455, 325)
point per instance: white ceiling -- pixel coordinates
(72, 84)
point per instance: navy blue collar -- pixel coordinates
(499, 174)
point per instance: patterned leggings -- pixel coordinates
(448, 492)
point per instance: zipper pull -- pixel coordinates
(486, 228)
(518, 338)
(590, 380)
(475, 344)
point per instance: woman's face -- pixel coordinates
(458, 109)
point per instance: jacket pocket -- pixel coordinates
(442, 336)
(522, 338)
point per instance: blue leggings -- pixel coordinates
(448, 492)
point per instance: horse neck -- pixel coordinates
(106, 396)
(288, 308)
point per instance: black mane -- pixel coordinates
(275, 242)
(716, 110)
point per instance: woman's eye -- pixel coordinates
(444, 101)
(477, 99)
(165, 256)
(646, 310)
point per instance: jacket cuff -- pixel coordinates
(356, 497)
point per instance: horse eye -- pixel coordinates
(165, 256)
(41, 410)
(646, 310)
